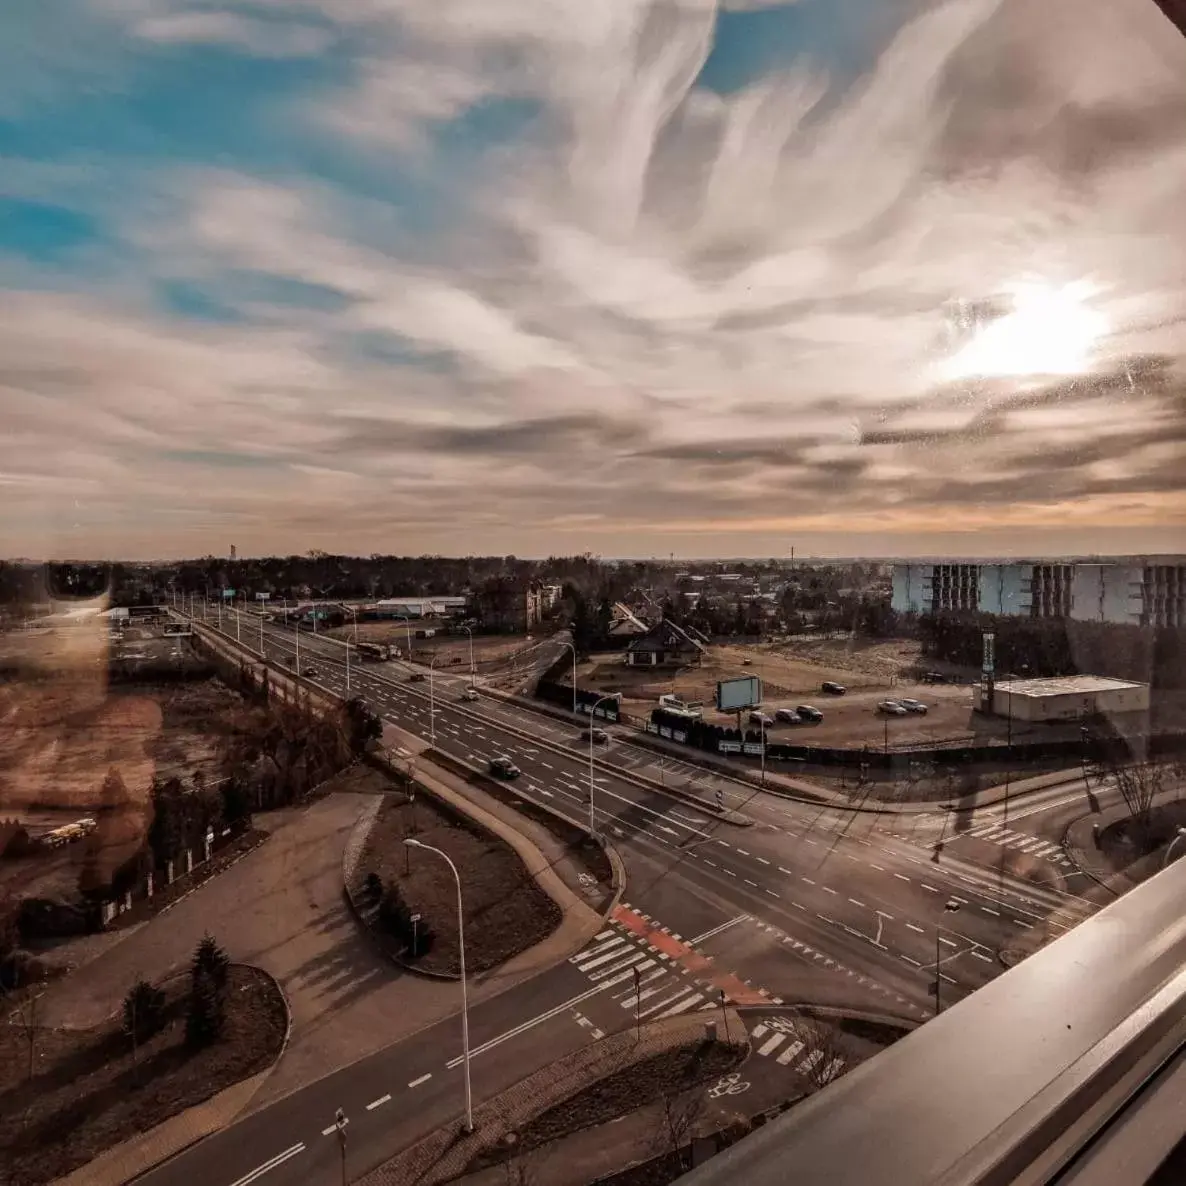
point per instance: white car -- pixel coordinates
(892, 708)
(913, 705)
(470, 694)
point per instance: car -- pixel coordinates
(456, 659)
(809, 713)
(309, 672)
(747, 663)
(598, 735)
(470, 694)
(417, 677)
(833, 689)
(761, 718)
(933, 677)
(503, 767)
(787, 716)
(891, 708)
(913, 705)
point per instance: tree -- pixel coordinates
(206, 1016)
(25, 1016)
(373, 886)
(362, 724)
(144, 1011)
(677, 1122)
(1139, 782)
(824, 1055)
(394, 913)
(211, 960)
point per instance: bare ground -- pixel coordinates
(505, 911)
(86, 1093)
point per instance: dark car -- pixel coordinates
(833, 689)
(309, 672)
(598, 735)
(503, 767)
(417, 677)
(808, 712)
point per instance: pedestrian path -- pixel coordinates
(776, 1038)
(654, 973)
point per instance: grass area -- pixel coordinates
(662, 1076)
(86, 1093)
(505, 911)
(1125, 841)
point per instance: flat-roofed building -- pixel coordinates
(1066, 698)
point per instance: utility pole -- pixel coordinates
(637, 1005)
(340, 1122)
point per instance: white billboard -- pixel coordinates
(735, 694)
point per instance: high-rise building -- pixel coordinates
(1137, 590)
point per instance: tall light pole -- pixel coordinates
(763, 777)
(572, 647)
(950, 907)
(469, 1107)
(470, 631)
(408, 629)
(1165, 860)
(592, 720)
(354, 614)
(432, 711)
(261, 630)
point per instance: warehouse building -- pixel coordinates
(1065, 698)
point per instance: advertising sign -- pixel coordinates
(735, 694)
(228, 592)
(262, 596)
(989, 653)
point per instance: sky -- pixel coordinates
(637, 277)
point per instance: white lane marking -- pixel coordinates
(809, 881)
(790, 1053)
(901, 877)
(633, 958)
(379, 1102)
(652, 975)
(718, 929)
(879, 868)
(748, 882)
(772, 1043)
(743, 852)
(772, 893)
(547, 764)
(949, 942)
(786, 871)
(990, 910)
(928, 887)
(763, 860)
(856, 902)
(270, 1164)
(681, 1007)
(914, 928)
(600, 957)
(981, 956)
(729, 871)
(909, 960)
(422, 1079)
(828, 889)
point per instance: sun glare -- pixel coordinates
(1048, 331)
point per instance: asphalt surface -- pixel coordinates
(808, 904)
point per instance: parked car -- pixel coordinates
(808, 713)
(470, 694)
(761, 718)
(787, 716)
(891, 708)
(503, 767)
(417, 677)
(309, 672)
(833, 689)
(913, 705)
(747, 663)
(598, 735)
(933, 677)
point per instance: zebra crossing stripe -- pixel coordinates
(682, 1007)
(772, 1043)
(633, 958)
(758, 1031)
(790, 1053)
(642, 996)
(601, 959)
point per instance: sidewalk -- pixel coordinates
(1079, 842)
(442, 1156)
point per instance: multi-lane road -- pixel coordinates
(808, 903)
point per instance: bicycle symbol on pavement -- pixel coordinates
(732, 1084)
(587, 880)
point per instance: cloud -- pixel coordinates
(511, 273)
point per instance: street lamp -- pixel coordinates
(572, 647)
(470, 631)
(1165, 860)
(469, 1107)
(354, 614)
(432, 712)
(408, 628)
(592, 719)
(949, 907)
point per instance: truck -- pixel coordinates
(374, 652)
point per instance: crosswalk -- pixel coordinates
(652, 983)
(1021, 842)
(776, 1038)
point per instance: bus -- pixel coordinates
(375, 652)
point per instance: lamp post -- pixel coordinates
(408, 628)
(950, 907)
(1165, 860)
(762, 780)
(469, 1109)
(470, 631)
(572, 647)
(592, 719)
(432, 712)
(354, 614)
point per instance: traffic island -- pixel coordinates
(68, 1096)
(664, 1064)
(408, 897)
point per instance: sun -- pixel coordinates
(1048, 331)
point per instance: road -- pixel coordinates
(864, 904)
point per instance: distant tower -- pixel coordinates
(232, 551)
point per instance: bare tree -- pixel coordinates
(520, 1171)
(1139, 783)
(24, 1017)
(677, 1122)
(824, 1056)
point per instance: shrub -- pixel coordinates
(373, 886)
(212, 960)
(394, 913)
(206, 1015)
(144, 1011)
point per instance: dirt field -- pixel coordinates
(489, 650)
(791, 674)
(63, 734)
(86, 1093)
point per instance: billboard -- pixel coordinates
(989, 663)
(735, 694)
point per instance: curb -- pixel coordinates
(832, 1013)
(1073, 857)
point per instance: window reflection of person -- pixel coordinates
(72, 746)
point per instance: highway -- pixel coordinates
(862, 903)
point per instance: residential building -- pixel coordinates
(665, 645)
(507, 605)
(1134, 590)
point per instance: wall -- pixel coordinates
(1106, 593)
(912, 588)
